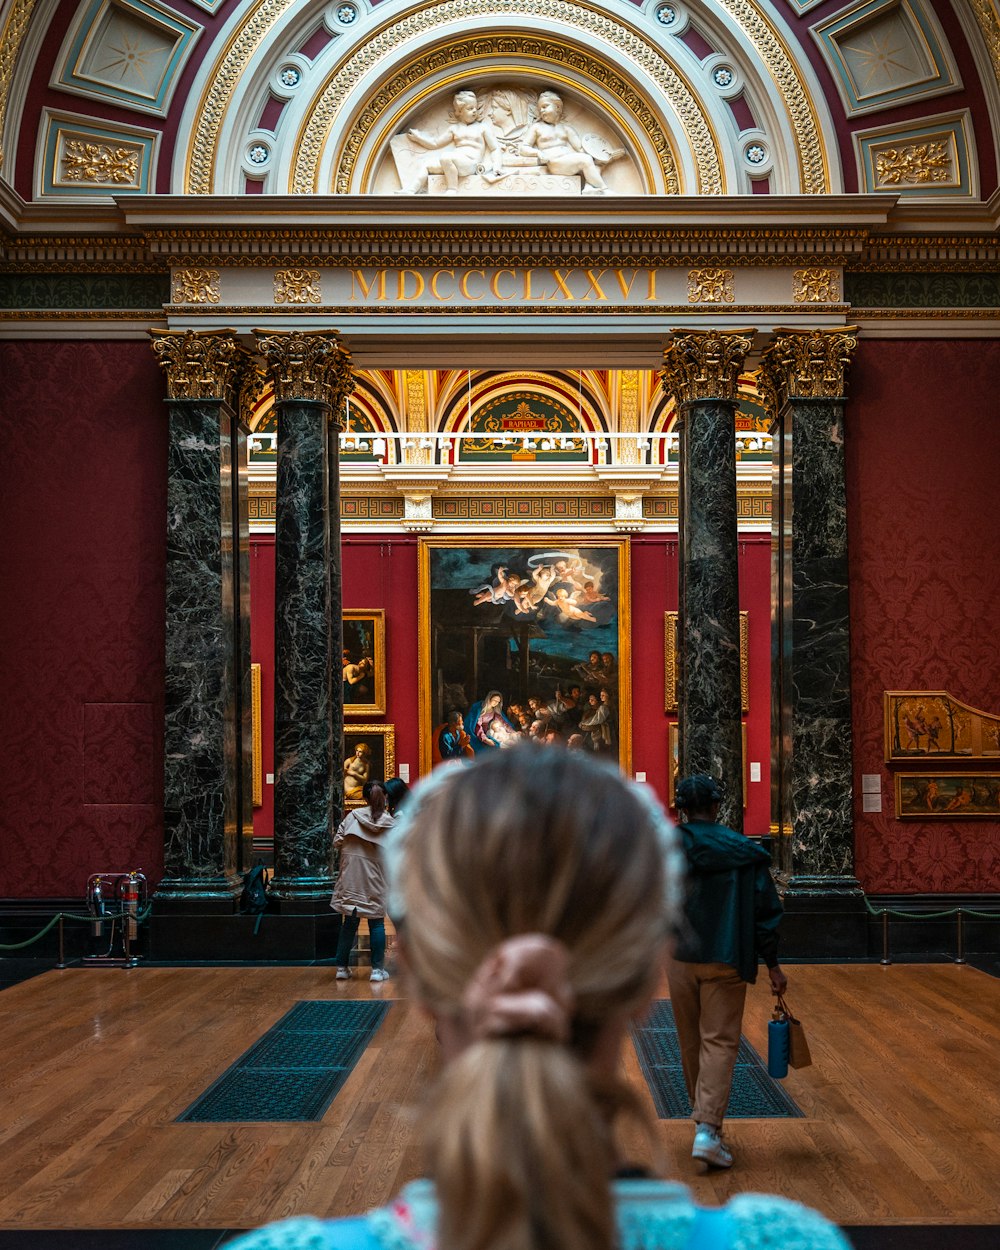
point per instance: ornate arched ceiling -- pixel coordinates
(112, 97)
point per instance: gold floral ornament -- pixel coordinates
(815, 286)
(195, 286)
(297, 286)
(805, 364)
(308, 364)
(99, 162)
(704, 364)
(916, 164)
(710, 286)
(199, 364)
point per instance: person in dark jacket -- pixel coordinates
(732, 914)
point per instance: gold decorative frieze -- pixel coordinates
(199, 364)
(195, 286)
(805, 364)
(816, 286)
(914, 164)
(297, 286)
(101, 163)
(704, 364)
(711, 286)
(308, 364)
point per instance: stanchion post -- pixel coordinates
(62, 948)
(960, 956)
(885, 960)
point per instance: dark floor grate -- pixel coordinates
(754, 1096)
(296, 1069)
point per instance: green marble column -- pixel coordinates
(803, 380)
(311, 376)
(701, 370)
(207, 796)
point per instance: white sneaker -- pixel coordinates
(343, 974)
(379, 974)
(709, 1147)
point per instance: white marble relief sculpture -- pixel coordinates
(505, 140)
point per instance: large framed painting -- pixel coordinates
(364, 662)
(934, 725)
(674, 762)
(527, 638)
(947, 796)
(670, 649)
(369, 755)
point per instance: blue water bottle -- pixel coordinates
(777, 1045)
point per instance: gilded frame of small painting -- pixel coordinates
(673, 761)
(377, 763)
(255, 739)
(933, 725)
(947, 796)
(364, 661)
(524, 636)
(670, 641)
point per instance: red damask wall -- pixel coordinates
(82, 509)
(381, 572)
(923, 463)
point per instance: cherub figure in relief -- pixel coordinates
(465, 147)
(558, 146)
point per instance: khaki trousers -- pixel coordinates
(708, 1011)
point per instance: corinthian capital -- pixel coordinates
(704, 364)
(199, 364)
(307, 364)
(806, 364)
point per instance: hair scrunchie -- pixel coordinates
(522, 987)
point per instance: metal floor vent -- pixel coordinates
(296, 1069)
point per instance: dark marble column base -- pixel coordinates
(225, 890)
(824, 924)
(301, 888)
(212, 937)
(807, 885)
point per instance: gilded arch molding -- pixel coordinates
(377, 111)
(624, 40)
(590, 23)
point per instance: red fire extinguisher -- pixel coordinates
(130, 904)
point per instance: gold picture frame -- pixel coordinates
(489, 634)
(670, 624)
(934, 725)
(673, 761)
(381, 742)
(947, 796)
(364, 661)
(255, 738)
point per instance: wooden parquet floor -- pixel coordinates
(902, 1104)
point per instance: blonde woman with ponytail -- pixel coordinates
(534, 893)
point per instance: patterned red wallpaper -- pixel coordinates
(83, 510)
(923, 462)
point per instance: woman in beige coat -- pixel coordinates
(361, 885)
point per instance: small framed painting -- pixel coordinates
(364, 662)
(369, 755)
(670, 646)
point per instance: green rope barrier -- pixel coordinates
(930, 915)
(66, 915)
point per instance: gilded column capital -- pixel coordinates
(199, 364)
(251, 383)
(805, 364)
(704, 364)
(308, 364)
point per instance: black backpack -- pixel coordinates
(253, 900)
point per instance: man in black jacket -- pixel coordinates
(732, 915)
